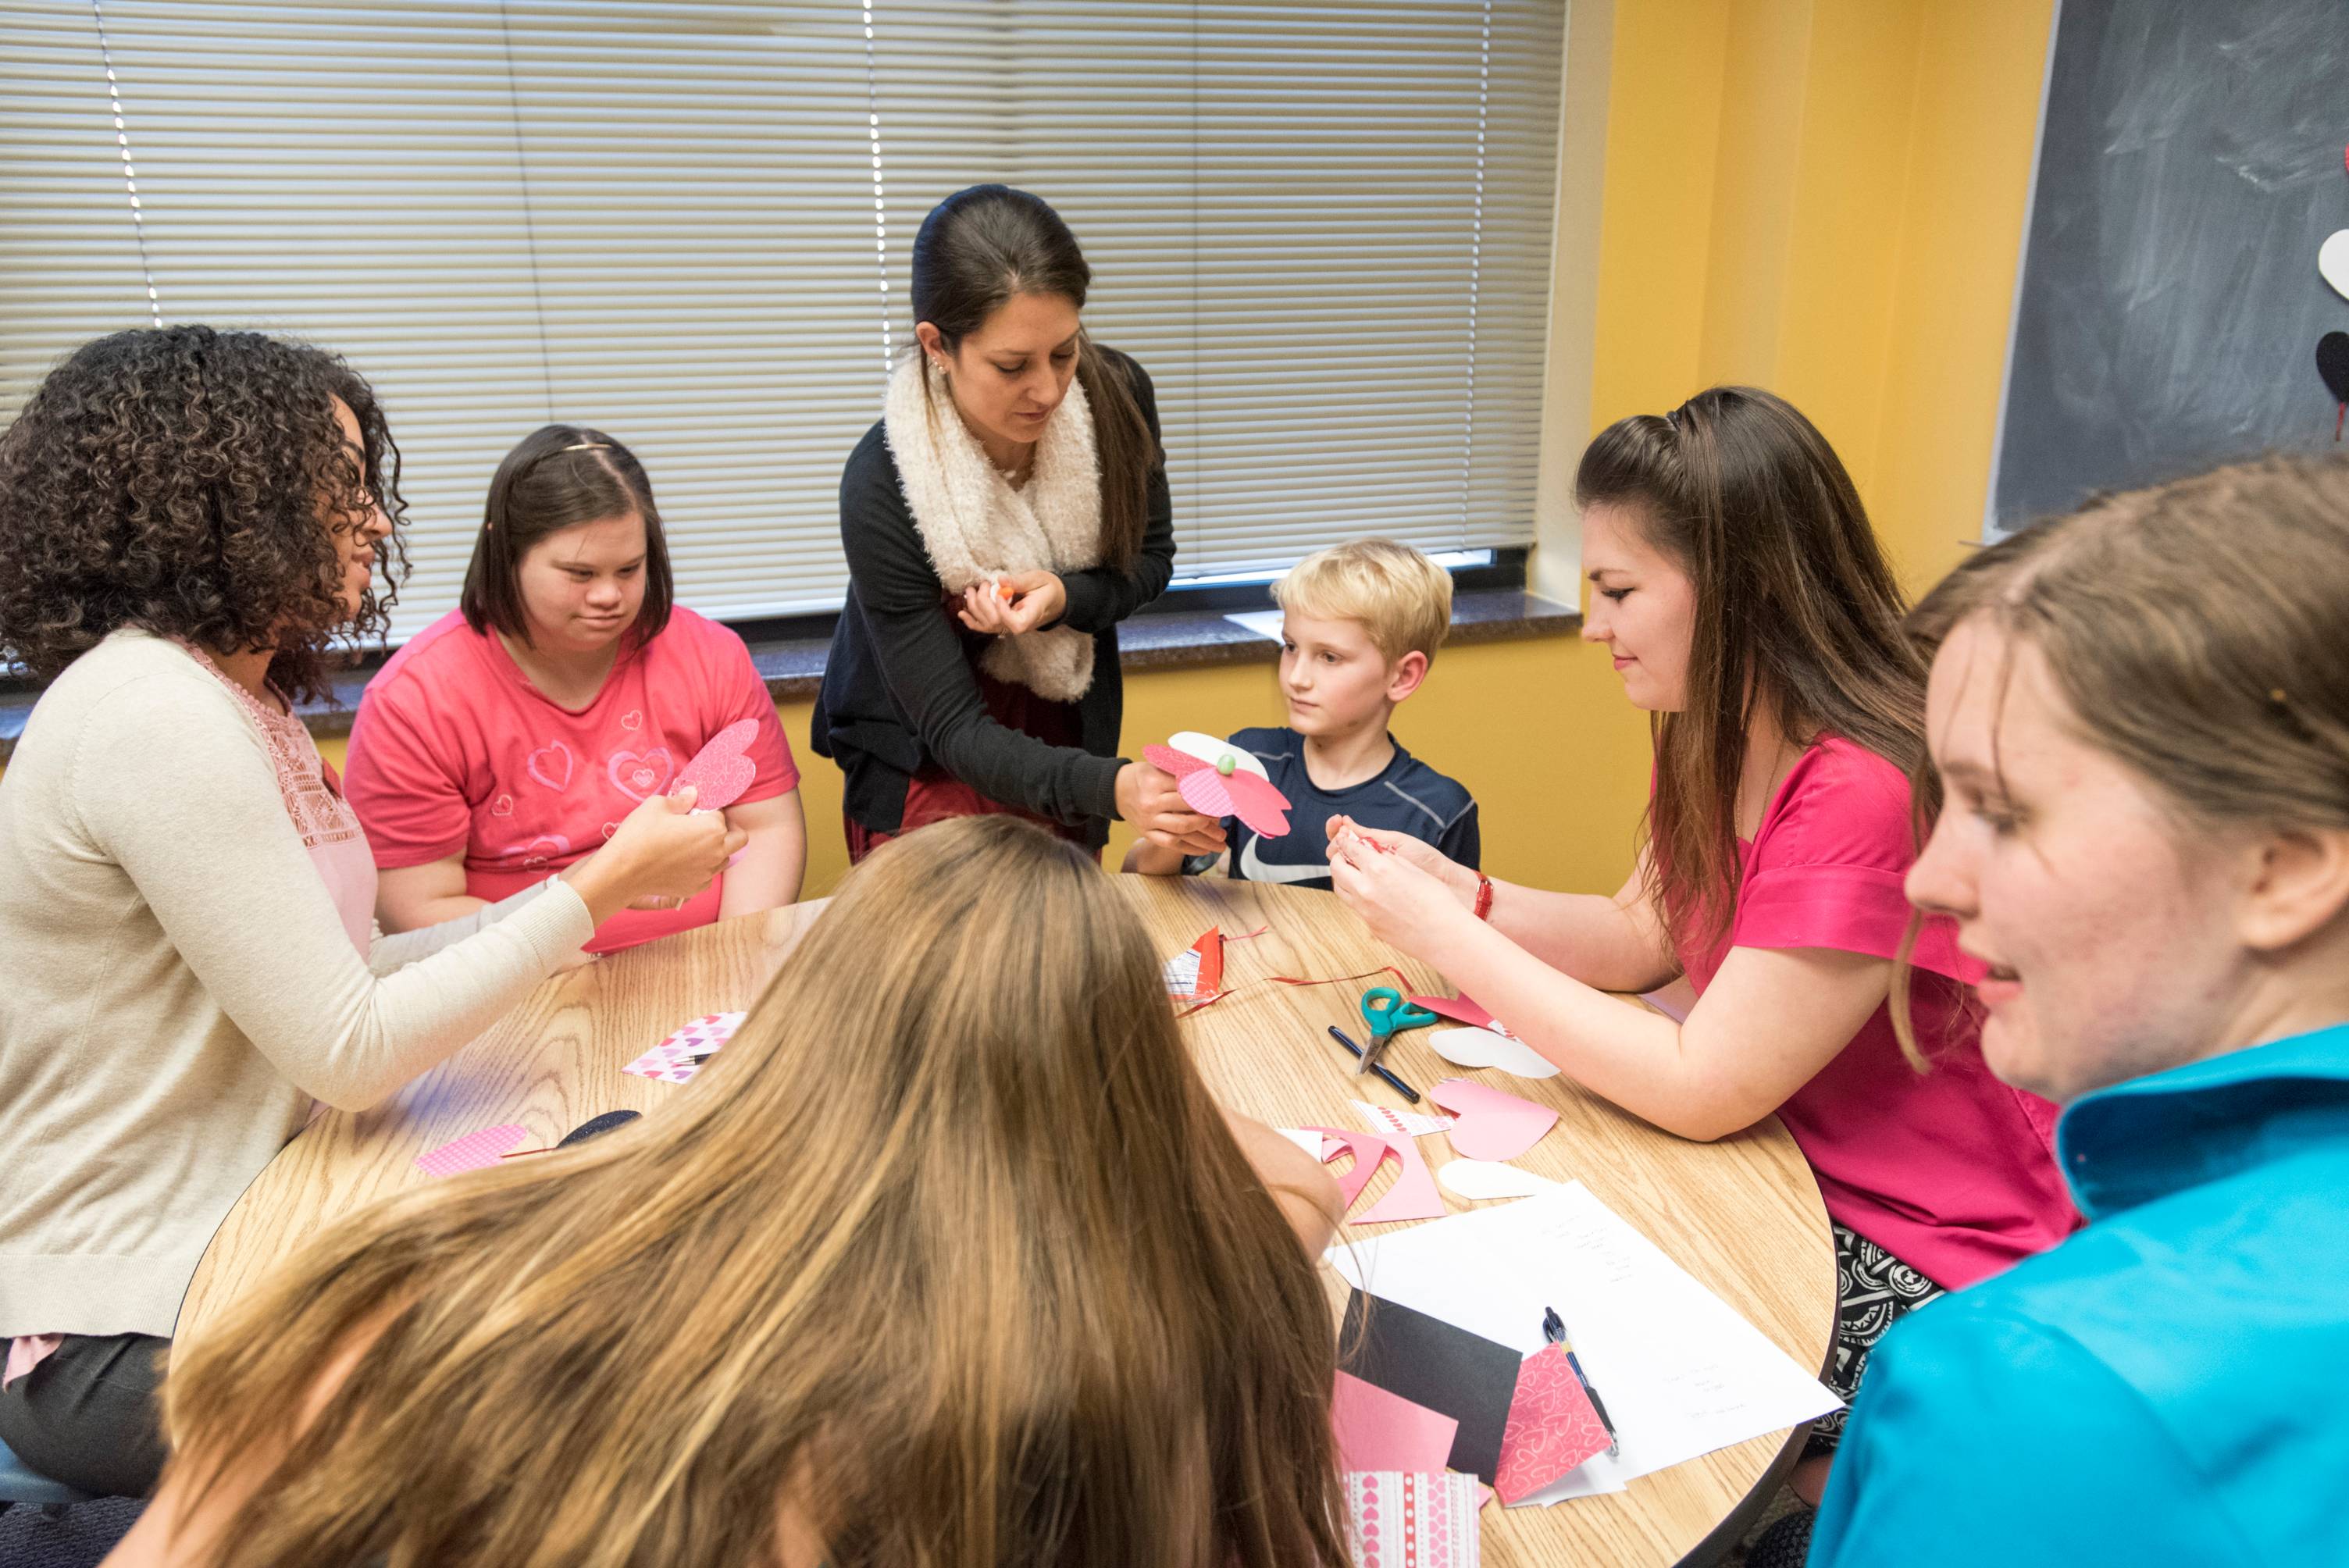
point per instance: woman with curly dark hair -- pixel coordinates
(188, 518)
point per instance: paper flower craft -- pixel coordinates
(1219, 780)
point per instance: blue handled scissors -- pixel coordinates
(1388, 1016)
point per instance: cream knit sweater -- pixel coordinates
(176, 985)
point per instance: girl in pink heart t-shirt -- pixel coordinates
(454, 750)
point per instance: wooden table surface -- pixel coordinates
(1743, 1216)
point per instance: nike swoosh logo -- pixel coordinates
(1254, 868)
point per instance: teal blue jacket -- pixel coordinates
(2171, 1385)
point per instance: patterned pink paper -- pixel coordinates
(666, 1061)
(1552, 1428)
(473, 1150)
(1411, 1521)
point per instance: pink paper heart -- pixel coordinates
(1551, 1427)
(1239, 793)
(473, 1150)
(1492, 1125)
(551, 764)
(720, 771)
(640, 775)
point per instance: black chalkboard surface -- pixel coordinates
(2190, 163)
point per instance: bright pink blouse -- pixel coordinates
(1950, 1171)
(454, 750)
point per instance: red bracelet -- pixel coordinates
(1483, 896)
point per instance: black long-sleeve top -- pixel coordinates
(900, 689)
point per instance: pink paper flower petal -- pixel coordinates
(720, 771)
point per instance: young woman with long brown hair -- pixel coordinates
(1737, 584)
(1009, 1288)
(2139, 715)
(1001, 520)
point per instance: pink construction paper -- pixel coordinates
(1413, 1196)
(1370, 1150)
(1239, 794)
(1552, 1427)
(1381, 1431)
(1421, 1520)
(473, 1150)
(1492, 1125)
(721, 771)
(1462, 1008)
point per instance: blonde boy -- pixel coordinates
(1360, 623)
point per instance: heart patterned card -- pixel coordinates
(671, 1061)
(1396, 1519)
(1552, 1426)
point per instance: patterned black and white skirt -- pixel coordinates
(1874, 1290)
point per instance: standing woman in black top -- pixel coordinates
(1004, 516)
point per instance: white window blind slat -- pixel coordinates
(660, 218)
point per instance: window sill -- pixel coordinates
(1181, 639)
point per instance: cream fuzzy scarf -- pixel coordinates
(976, 526)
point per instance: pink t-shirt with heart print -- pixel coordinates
(454, 751)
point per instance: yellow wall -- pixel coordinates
(1824, 197)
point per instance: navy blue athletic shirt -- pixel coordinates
(1406, 796)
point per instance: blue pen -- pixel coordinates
(1554, 1330)
(1393, 1082)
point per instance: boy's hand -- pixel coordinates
(1414, 853)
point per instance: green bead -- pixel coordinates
(1226, 763)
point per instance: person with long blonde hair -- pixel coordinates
(948, 1259)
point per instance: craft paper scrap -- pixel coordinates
(1371, 1149)
(1196, 973)
(670, 1061)
(1462, 1008)
(473, 1150)
(1377, 1430)
(1397, 1520)
(1479, 1180)
(1308, 1139)
(1490, 1048)
(1412, 1195)
(1681, 1371)
(1552, 1427)
(1403, 1123)
(1439, 1364)
(1494, 1124)
(723, 768)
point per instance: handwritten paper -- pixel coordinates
(1681, 1371)
(1552, 1427)
(670, 1061)
(1494, 1124)
(1401, 1123)
(1395, 1520)
(473, 1150)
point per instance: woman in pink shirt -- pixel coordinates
(510, 737)
(1737, 584)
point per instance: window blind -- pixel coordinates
(1323, 227)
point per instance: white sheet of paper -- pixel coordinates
(1312, 1142)
(1681, 1371)
(1490, 1048)
(1263, 623)
(1482, 1178)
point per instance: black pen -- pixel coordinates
(1554, 1330)
(1393, 1082)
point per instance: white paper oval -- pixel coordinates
(2332, 261)
(1484, 1048)
(1210, 750)
(1475, 1180)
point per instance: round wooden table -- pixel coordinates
(1743, 1216)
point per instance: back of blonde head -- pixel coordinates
(950, 1249)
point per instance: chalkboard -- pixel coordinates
(2190, 163)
